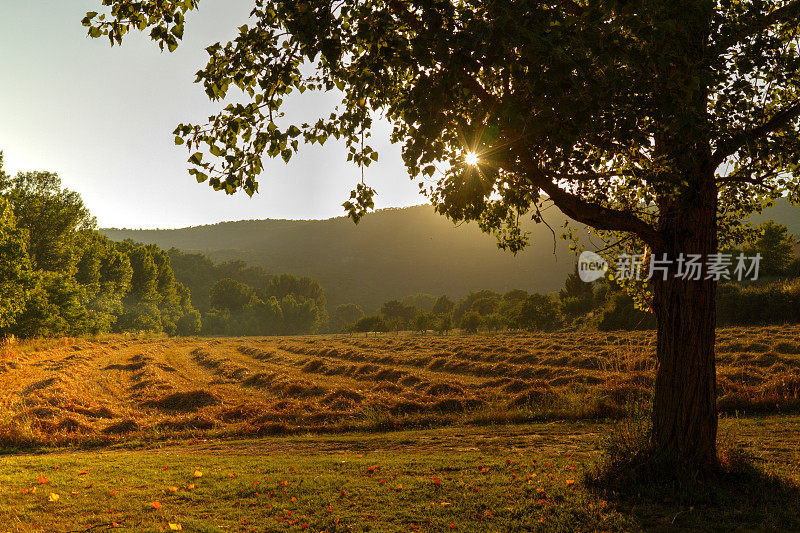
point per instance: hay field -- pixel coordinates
(124, 389)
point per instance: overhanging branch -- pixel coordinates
(593, 214)
(778, 120)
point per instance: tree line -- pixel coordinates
(772, 299)
(60, 276)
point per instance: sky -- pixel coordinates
(103, 117)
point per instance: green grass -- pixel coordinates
(488, 478)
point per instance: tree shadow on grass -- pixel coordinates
(738, 496)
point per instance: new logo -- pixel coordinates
(591, 266)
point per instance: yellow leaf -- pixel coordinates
(175, 527)
(53, 497)
(198, 473)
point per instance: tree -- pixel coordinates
(367, 324)
(52, 216)
(344, 315)
(230, 295)
(663, 122)
(539, 312)
(443, 306)
(776, 247)
(471, 322)
(16, 279)
(398, 315)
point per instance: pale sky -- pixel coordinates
(103, 118)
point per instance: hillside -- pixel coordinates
(390, 254)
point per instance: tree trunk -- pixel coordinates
(684, 406)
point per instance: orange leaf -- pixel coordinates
(570, 482)
(231, 475)
(83, 472)
(190, 487)
(173, 489)
(42, 480)
(198, 473)
(156, 505)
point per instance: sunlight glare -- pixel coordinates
(471, 158)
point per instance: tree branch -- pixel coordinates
(593, 214)
(778, 120)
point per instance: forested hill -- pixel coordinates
(389, 254)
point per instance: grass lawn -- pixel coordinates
(487, 478)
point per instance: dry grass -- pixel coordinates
(98, 391)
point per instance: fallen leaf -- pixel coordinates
(190, 487)
(570, 482)
(42, 480)
(173, 489)
(198, 473)
(175, 527)
(231, 475)
(156, 505)
(83, 472)
(53, 497)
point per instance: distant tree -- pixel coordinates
(299, 314)
(230, 295)
(622, 314)
(495, 321)
(776, 246)
(577, 296)
(423, 302)
(265, 317)
(443, 306)
(300, 289)
(465, 304)
(539, 312)
(471, 322)
(515, 295)
(344, 315)
(397, 315)
(575, 287)
(423, 322)
(485, 306)
(189, 324)
(369, 324)
(444, 322)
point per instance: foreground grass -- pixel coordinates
(521, 478)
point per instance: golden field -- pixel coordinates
(107, 390)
